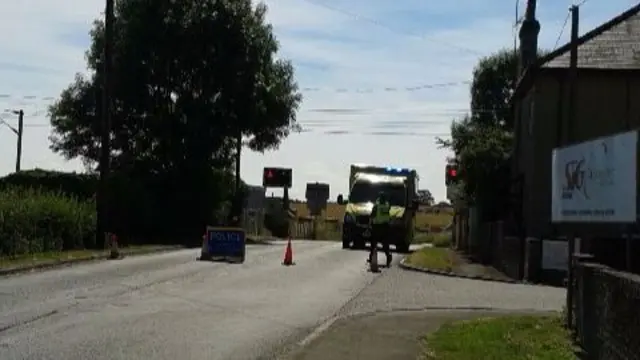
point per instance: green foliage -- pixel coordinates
(433, 258)
(189, 78)
(33, 220)
(483, 152)
(483, 141)
(503, 337)
(277, 224)
(494, 80)
(81, 186)
(442, 239)
(425, 197)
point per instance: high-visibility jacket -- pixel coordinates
(382, 213)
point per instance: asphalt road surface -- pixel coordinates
(170, 306)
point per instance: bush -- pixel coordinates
(34, 220)
(81, 186)
(144, 207)
(442, 239)
(277, 224)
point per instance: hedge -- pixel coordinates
(35, 220)
(81, 186)
(143, 207)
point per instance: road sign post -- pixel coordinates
(317, 195)
(277, 177)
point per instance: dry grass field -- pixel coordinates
(426, 217)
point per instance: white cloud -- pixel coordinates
(348, 51)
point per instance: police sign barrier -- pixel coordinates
(228, 244)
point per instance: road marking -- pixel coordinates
(318, 331)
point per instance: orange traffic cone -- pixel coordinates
(204, 253)
(288, 255)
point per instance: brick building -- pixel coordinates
(608, 89)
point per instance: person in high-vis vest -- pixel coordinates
(380, 219)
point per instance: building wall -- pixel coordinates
(607, 103)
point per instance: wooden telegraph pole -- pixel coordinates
(105, 141)
(573, 75)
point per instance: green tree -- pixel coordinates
(426, 197)
(482, 141)
(494, 80)
(189, 76)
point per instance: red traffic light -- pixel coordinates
(269, 174)
(451, 175)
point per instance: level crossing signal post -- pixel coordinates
(276, 177)
(452, 178)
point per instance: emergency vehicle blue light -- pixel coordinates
(397, 170)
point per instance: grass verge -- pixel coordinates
(433, 258)
(508, 337)
(438, 239)
(437, 221)
(52, 258)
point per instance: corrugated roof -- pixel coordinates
(613, 45)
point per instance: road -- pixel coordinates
(170, 306)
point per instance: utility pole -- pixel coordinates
(573, 72)
(238, 156)
(18, 131)
(529, 31)
(236, 209)
(105, 148)
(568, 136)
(19, 144)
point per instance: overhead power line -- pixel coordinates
(564, 26)
(378, 133)
(397, 88)
(359, 116)
(392, 29)
(408, 88)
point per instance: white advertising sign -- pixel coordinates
(595, 181)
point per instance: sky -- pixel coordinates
(381, 79)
